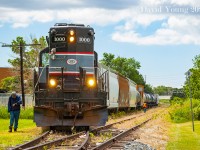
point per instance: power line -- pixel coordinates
(3, 43)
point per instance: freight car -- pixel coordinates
(71, 88)
(122, 92)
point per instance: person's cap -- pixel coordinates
(13, 93)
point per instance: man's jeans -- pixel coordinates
(14, 117)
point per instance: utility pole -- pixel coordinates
(22, 73)
(21, 46)
(188, 74)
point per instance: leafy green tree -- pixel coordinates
(148, 88)
(194, 79)
(127, 67)
(108, 59)
(30, 54)
(30, 59)
(10, 83)
(163, 90)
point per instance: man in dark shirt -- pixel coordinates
(14, 102)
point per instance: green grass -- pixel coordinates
(26, 113)
(181, 136)
(118, 114)
(26, 130)
(163, 101)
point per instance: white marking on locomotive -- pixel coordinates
(59, 39)
(72, 61)
(69, 72)
(76, 54)
(83, 40)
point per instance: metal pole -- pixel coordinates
(21, 46)
(191, 106)
(22, 74)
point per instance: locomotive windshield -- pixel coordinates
(71, 38)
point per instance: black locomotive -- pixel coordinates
(69, 89)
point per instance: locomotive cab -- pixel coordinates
(68, 89)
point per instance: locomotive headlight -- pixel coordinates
(91, 83)
(52, 82)
(71, 39)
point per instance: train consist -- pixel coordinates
(72, 88)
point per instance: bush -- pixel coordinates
(27, 113)
(177, 100)
(4, 113)
(24, 114)
(180, 110)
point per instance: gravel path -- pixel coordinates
(154, 133)
(137, 146)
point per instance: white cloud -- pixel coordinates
(45, 16)
(93, 16)
(162, 36)
(86, 15)
(169, 2)
(183, 2)
(174, 28)
(76, 2)
(152, 2)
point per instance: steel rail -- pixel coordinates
(84, 145)
(109, 125)
(118, 137)
(54, 142)
(31, 143)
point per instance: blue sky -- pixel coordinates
(163, 35)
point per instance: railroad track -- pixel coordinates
(79, 140)
(118, 139)
(120, 134)
(41, 143)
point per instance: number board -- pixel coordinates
(58, 39)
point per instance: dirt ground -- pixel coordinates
(154, 133)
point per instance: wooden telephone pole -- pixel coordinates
(21, 46)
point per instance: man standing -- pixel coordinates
(14, 110)
(144, 107)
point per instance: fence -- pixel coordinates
(4, 99)
(164, 97)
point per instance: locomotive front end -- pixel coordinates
(68, 85)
